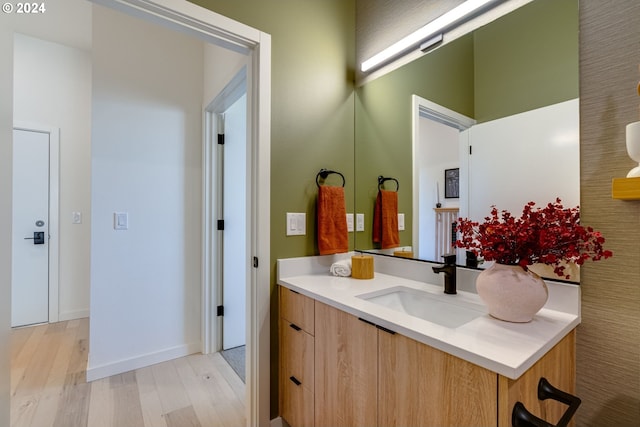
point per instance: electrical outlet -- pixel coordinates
(400, 222)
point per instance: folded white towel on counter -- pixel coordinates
(341, 268)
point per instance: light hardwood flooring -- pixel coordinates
(49, 388)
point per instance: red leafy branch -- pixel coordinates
(550, 235)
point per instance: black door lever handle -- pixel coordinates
(38, 238)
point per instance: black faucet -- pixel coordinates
(449, 270)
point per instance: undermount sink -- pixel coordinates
(443, 309)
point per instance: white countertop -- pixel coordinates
(503, 347)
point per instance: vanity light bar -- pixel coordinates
(437, 25)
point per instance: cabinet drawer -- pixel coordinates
(297, 309)
(297, 348)
(297, 405)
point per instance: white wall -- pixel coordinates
(220, 66)
(539, 156)
(146, 160)
(436, 151)
(52, 87)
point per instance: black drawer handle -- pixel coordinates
(389, 331)
(294, 380)
(294, 326)
(520, 417)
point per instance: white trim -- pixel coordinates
(217, 29)
(141, 361)
(421, 107)
(73, 315)
(54, 211)
(213, 209)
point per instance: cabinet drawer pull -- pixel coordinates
(294, 380)
(366, 321)
(389, 331)
(294, 326)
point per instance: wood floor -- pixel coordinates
(49, 389)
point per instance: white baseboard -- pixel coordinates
(278, 422)
(72, 315)
(126, 365)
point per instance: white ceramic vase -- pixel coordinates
(511, 293)
(633, 147)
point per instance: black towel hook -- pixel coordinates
(382, 179)
(324, 173)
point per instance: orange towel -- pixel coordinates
(385, 219)
(333, 236)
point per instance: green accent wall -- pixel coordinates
(312, 115)
(522, 61)
(526, 60)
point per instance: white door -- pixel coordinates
(235, 254)
(30, 236)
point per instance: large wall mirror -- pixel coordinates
(509, 90)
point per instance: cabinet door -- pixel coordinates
(346, 369)
(558, 366)
(423, 386)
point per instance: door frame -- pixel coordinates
(54, 210)
(256, 45)
(421, 107)
(212, 211)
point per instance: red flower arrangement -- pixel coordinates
(549, 235)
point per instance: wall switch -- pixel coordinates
(400, 222)
(349, 222)
(76, 217)
(359, 222)
(120, 221)
(296, 224)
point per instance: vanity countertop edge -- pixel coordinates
(508, 349)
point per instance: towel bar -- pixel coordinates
(382, 179)
(324, 173)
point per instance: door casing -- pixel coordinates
(256, 45)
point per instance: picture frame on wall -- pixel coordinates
(452, 183)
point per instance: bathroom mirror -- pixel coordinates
(516, 65)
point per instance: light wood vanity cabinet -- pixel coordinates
(365, 375)
(346, 369)
(419, 385)
(297, 326)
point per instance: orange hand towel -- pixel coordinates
(333, 236)
(385, 219)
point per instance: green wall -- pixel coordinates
(312, 109)
(522, 61)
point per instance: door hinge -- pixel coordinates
(221, 139)
(220, 310)
(221, 224)
(255, 262)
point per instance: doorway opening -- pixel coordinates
(226, 206)
(432, 124)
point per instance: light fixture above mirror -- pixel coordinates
(431, 31)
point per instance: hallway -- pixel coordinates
(49, 389)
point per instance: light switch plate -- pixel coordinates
(400, 222)
(296, 224)
(359, 222)
(349, 222)
(120, 221)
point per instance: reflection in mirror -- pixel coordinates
(514, 68)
